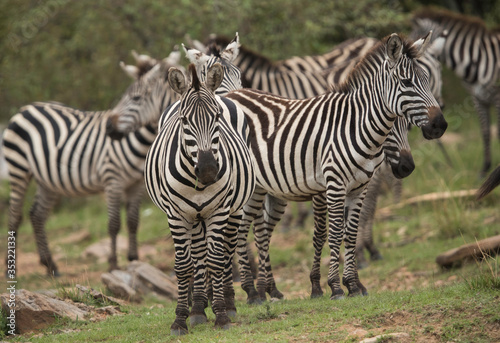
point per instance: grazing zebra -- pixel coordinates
(199, 172)
(332, 142)
(489, 184)
(473, 53)
(68, 153)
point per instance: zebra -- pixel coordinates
(297, 158)
(257, 68)
(491, 182)
(280, 77)
(398, 158)
(68, 153)
(121, 124)
(200, 173)
(473, 53)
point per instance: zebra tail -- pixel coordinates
(491, 182)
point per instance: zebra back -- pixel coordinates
(143, 103)
(471, 49)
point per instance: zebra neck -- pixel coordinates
(374, 121)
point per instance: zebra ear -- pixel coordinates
(422, 43)
(394, 48)
(214, 77)
(130, 70)
(177, 80)
(231, 51)
(195, 56)
(436, 47)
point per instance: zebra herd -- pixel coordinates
(228, 145)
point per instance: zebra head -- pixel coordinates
(144, 100)
(397, 149)
(407, 86)
(226, 57)
(199, 113)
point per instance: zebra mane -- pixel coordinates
(373, 57)
(441, 15)
(195, 81)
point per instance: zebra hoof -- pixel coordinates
(376, 257)
(276, 294)
(226, 326)
(197, 319)
(254, 301)
(178, 332)
(337, 297)
(231, 313)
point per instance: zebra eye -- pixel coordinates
(407, 83)
(136, 97)
(184, 121)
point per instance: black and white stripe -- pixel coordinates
(472, 51)
(332, 142)
(199, 172)
(68, 153)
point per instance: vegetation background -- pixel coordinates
(68, 51)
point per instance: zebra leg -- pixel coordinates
(335, 201)
(264, 225)
(320, 210)
(482, 109)
(183, 268)
(220, 238)
(18, 186)
(113, 199)
(134, 197)
(350, 278)
(232, 239)
(201, 282)
(365, 236)
(44, 201)
(250, 210)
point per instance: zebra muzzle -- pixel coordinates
(111, 130)
(437, 124)
(405, 166)
(206, 170)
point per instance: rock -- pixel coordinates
(102, 249)
(34, 311)
(140, 279)
(99, 295)
(119, 288)
(395, 337)
(154, 279)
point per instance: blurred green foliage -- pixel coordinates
(68, 50)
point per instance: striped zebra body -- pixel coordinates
(199, 172)
(346, 56)
(473, 53)
(298, 158)
(68, 153)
